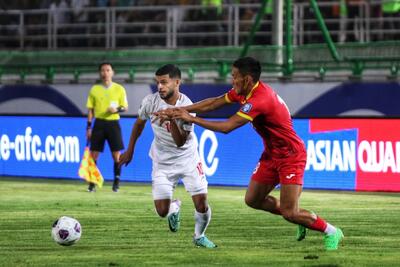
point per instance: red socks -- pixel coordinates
(318, 225)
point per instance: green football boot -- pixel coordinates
(301, 232)
(204, 242)
(332, 241)
(174, 220)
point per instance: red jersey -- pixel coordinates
(271, 119)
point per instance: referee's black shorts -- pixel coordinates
(106, 130)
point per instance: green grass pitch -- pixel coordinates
(122, 229)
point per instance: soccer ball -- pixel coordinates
(66, 231)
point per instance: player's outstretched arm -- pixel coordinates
(179, 135)
(137, 129)
(203, 106)
(207, 105)
(226, 126)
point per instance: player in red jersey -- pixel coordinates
(284, 157)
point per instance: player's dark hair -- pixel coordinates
(248, 66)
(170, 69)
(105, 63)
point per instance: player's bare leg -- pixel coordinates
(171, 210)
(162, 207)
(257, 197)
(289, 200)
(202, 216)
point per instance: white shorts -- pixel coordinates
(166, 177)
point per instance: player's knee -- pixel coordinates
(201, 207)
(162, 212)
(289, 214)
(251, 202)
(200, 202)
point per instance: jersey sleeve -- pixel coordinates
(231, 96)
(144, 109)
(90, 100)
(123, 101)
(251, 109)
(188, 126)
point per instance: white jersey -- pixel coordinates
(163, 148)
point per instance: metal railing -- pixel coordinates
(186, 26)
(156, 32)
(210, 65)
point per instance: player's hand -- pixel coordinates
(112, 110)
(125, 158)
(163, 115)
(183, 114)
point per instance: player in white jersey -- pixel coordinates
(174, 155)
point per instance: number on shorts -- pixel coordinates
(200, 168)
(256, 168)
(168, 126)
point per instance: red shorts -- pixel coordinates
(283, 170)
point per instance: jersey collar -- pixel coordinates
(252, 90)
(179, 100)
(107, 87)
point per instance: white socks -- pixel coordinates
(330, 229)
(174, 206)
(201, 222)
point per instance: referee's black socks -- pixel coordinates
(117, 171)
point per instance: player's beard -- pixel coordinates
(243, 89)
(168, 95)
(239, 90)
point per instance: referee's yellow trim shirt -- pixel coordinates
(101, 98)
